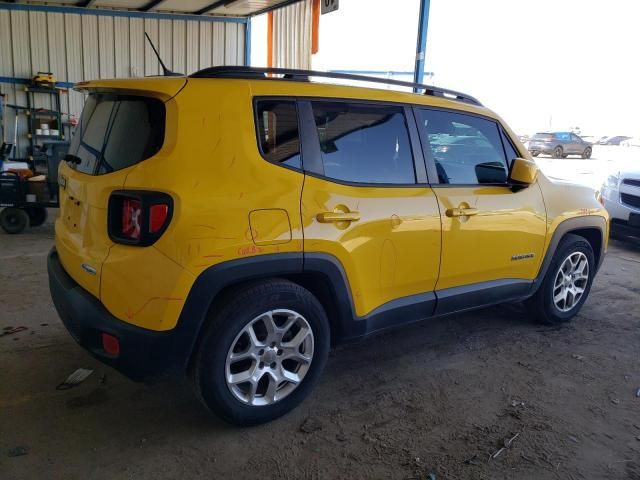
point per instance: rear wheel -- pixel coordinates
(37, 216)
(567, 282)
(557, 152)
(262, 353)
(586, 153)
(13, 220)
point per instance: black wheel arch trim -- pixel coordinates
(571, 225)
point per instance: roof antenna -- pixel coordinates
(165, 71)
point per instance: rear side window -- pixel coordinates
(364, 143)
(467, 150)
(278, 135)
(116, 132)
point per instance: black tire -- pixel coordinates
(227, 319)
(542, 304)
(558, 152)
(587, 153)
(37, 216)
(565, 155)
(535, 154)
(13, 220)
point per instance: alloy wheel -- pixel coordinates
(571, 281)
(269, 358)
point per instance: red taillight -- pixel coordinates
(138, 217)
(131, 218)
(157, 217)
(110, 344)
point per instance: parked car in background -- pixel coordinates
(620, 195)
(592, 139)
(559, 145)
(614, 140)
(631, 142)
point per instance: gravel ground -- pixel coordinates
(487, 394)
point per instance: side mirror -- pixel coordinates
(523, 172)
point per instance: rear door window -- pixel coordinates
(364, 143)
(116, 132)
(466, 149)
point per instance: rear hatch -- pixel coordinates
(541, 139)
(123, 123)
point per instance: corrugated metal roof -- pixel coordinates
(232, 8)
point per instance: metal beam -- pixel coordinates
(421, 48)
(32, 7)
(211, 6)
(277, 6)
(150, 5)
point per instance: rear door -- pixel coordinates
(492, 235)
(116, 131)
(577, 145)
(366, 201)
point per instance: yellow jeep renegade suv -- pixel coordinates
(234, 224)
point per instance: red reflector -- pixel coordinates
(110, 344)
(158, 215)
(131, 212)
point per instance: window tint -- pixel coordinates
(466, 149)
(278, 134)
(364, 143)
(116, 132)
(562, 136)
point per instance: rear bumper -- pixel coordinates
(144, 354)
(544, 149)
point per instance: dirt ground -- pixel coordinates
(437, 400)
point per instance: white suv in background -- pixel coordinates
(621, 197)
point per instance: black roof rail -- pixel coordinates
(259, 73)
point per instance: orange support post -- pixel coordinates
(315, 26)
(270, 39)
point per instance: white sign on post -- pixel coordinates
(328, 6)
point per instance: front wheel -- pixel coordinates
(13, 220)
(262, 353)
(567, 282)
(586, 153)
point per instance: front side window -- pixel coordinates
(278, 135)
(467, 150)
(364, 143)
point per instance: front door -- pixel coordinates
(492, 235)
(366, 202)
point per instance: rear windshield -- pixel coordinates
(542, 136)
(116, 132)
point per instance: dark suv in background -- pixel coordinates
(559, 145)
